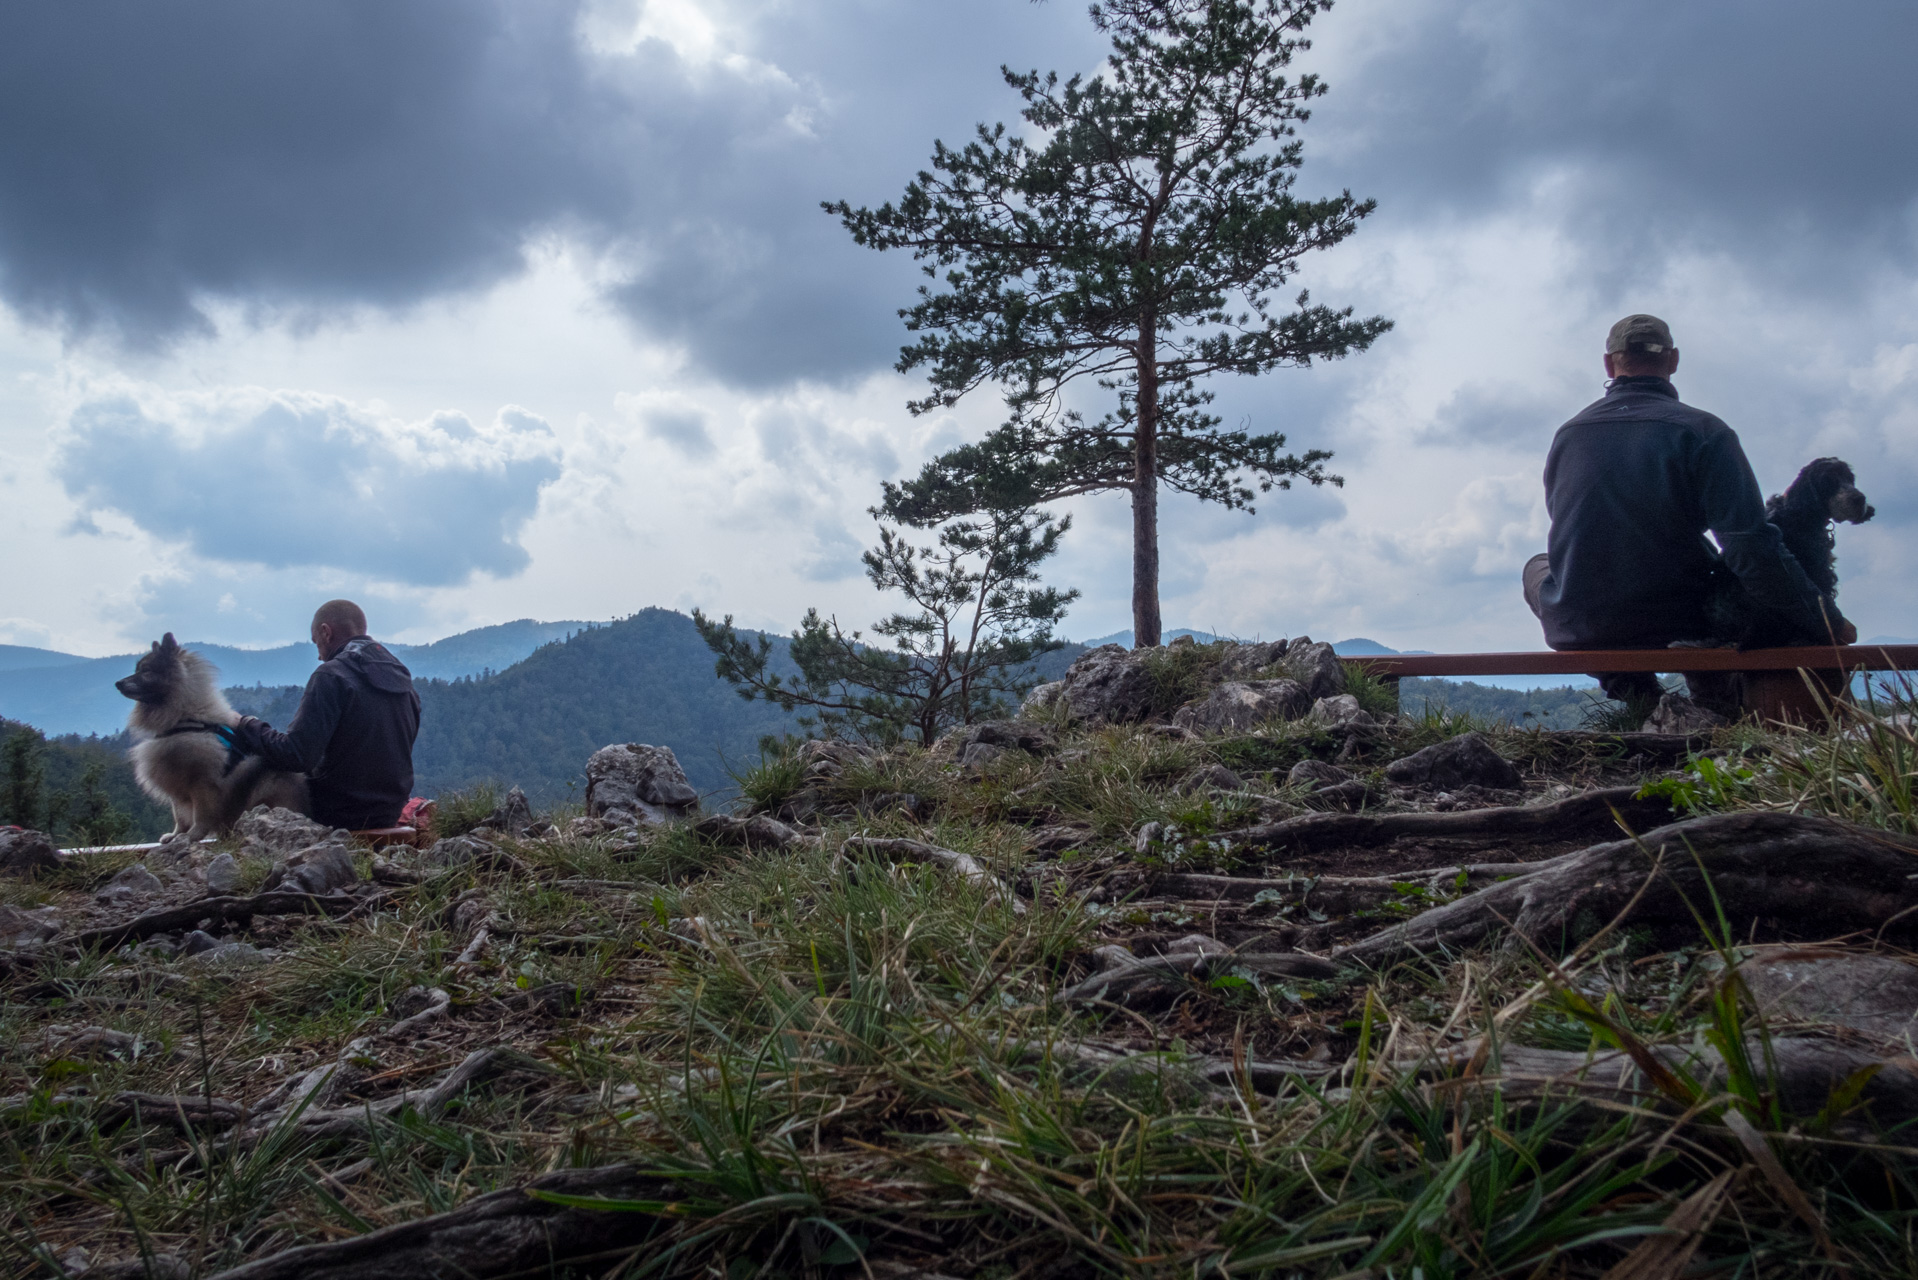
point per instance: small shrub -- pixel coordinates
(1377, 695)
(460, 811)
(774, 779)
(1181, 672)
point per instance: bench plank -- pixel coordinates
(1857, 657)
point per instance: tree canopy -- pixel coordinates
(1135, 233)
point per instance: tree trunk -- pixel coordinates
(1145, 492)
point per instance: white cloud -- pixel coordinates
(301, 479)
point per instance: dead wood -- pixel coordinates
(963, 864)
(1156, 981)
(1804, 1072)
(1332, 894)
(1816, 876)
(504, 1233)
(233, 910)
(1588, 812)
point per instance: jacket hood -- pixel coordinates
(378, 667)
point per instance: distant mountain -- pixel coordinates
(63, 693)
(20, 657)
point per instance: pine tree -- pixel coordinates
(1137, 240)
(23, 801)
(962, 654)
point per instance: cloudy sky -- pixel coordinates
(486, 309)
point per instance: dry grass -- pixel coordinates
(850, 1065)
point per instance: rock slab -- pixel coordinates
(630, 783)
(1237, 706)
(1467, 760)
(23, 852)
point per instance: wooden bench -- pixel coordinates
(1776, 680)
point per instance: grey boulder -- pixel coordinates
(1107, 685)
(24, 852)
(1341, 711)
(134, 884)
(1467, 760)
(1313, 664)
(513, 816)
(25, 928)
(631, 782)
(1677, 713)
(1236, 706)
(222, 876)
(316, 870)
(1245, 661)
(277, 833)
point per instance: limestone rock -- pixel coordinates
(229, 955)
(456, 851)
(1238, 706)
(1214, 776)
(754, 832)
(1042, 697)
(23, 852)
(976, 757)
(1107, 685)
(25, 928)
(1316, 775)
(277, 833)
(1677, 713)
(322, 868)
(1340, 712)
(1313, 664)
(197, 942)
(1008, 735)
(1467, 760)
(1873, 995)
(513, 815)
(135, 884)
(631, 782)
(222, 876)
(1244, 661)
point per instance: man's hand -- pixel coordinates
(1845, 632)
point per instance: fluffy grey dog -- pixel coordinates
(179, 754)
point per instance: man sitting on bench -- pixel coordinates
(1632, 484)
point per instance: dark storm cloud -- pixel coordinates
(1769, 127)
(299, 159)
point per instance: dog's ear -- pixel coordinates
(167, 643)
(155, 648)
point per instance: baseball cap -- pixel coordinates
(1639, 333)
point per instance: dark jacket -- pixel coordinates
(1632, 485)
(352, 737)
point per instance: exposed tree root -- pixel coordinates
(505, 1233)
(963, 864)
(1804, 1072)
(1156, 981)
(233, 910)
(1816, 876)
(1588, 812)
(1334, 895)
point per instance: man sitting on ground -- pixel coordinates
(1632, 484)
(353, 733)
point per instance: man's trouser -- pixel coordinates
(1719, 691)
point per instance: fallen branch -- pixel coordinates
(1589, 811)
(505, 1233)
(233, 910)
(964, 864)
(1151, 981)
(1821, 876)
(1333, 894)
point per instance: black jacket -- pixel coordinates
(1632, 484)
(352, 737)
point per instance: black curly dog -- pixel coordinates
(1826, 490)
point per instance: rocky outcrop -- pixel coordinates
(1677, 713)
(317, 869)
(631, 783)
(513, 816)
(134, 884)
(277, 833)
(1317, 669)
(1467, 760)
(24, 852)
(1107, 685)
(1341, 712)
(1236, 707)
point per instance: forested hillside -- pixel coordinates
(80, 790)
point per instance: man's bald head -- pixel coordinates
(334, 623)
